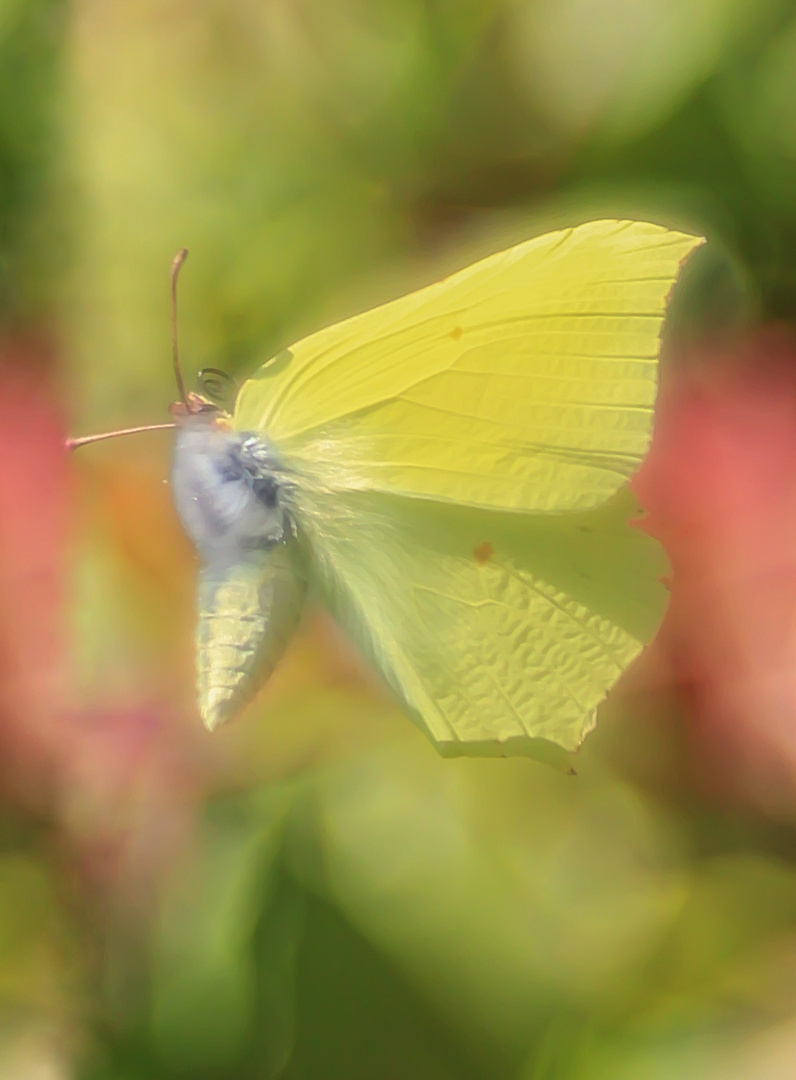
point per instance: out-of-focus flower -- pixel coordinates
(33, 527)
(720, 489)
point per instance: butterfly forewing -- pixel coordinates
(525, 382)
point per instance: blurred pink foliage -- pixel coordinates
(111, 775)
(33, 531)
(719, 486)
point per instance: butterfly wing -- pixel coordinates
(435, 442)
(525, 382)
(501, 632)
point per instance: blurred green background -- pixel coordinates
(313, 893)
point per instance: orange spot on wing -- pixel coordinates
(456, 333)
(483, 552)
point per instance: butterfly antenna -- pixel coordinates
(179, 259)
(73, 444)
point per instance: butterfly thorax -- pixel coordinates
(229, 488)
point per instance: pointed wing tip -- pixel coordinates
(692, 241)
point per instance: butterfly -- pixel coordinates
(448, 474)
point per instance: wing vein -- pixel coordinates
(529, 584)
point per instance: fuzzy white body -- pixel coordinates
(233, 500)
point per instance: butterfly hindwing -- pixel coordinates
(497, 630)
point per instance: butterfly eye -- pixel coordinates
(218, 386)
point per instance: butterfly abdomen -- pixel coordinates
(248, 610)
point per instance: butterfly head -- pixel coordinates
(195, 408)
(212, 406)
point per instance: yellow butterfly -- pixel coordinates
(448, 472)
